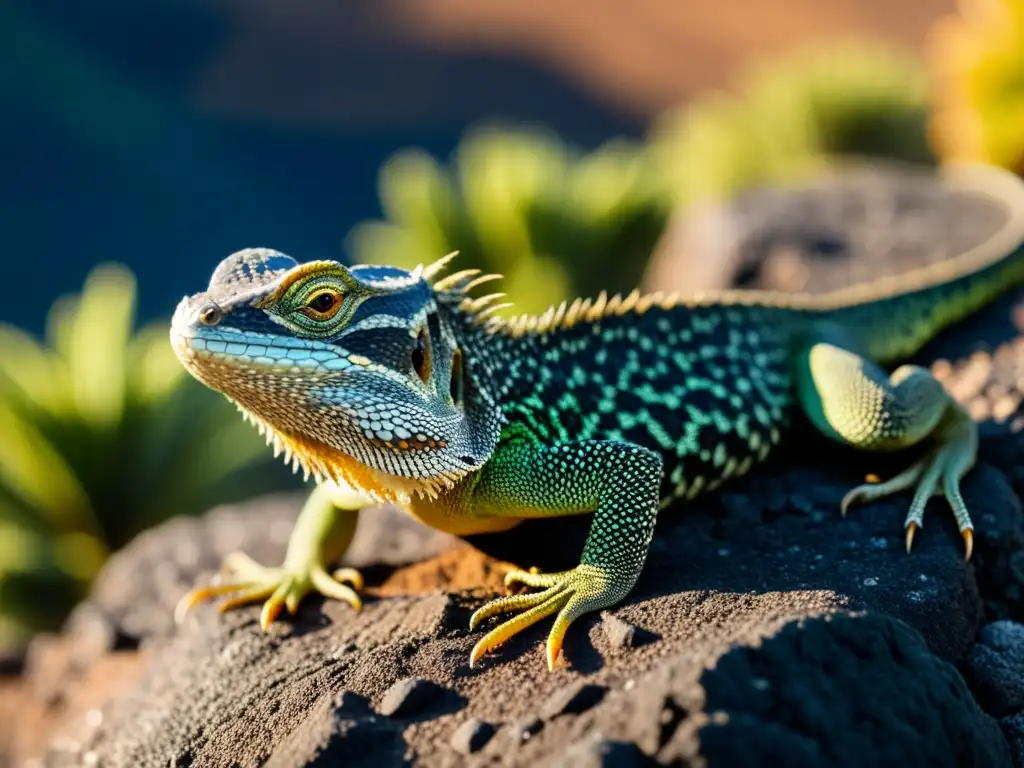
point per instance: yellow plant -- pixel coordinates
(977, 61)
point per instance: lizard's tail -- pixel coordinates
(894, 317)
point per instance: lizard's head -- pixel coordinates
(356, 374)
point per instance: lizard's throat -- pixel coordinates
(329, 464)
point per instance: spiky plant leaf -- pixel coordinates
(520, 203)
(104, 436)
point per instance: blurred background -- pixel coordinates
(552, 142)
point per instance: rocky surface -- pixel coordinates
(764, 630)
(850, 226)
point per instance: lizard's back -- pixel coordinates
(709, 383)
(398, 385)
(707, 386)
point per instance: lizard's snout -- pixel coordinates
(186, 322)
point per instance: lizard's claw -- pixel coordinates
(571, 593)
(937, 473)
(280, 588)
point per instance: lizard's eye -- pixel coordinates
(456, 386)
(422, 355)
(211, 314)
(322, 305)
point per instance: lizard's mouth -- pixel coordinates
(298, 391)
(256, 388)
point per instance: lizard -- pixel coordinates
(394, 385)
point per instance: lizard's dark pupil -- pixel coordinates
(422, 355)
(455, 387)
(323, 303)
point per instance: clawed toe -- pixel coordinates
(570, 594)
(246, 597)
(200, 594)
(533, 578)
(534, 607)
(936, 474)
(281, 589)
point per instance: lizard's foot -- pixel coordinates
(572, 593)
(938, 473)
(280, 588)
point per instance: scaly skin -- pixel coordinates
(390, 385)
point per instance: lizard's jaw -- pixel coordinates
(308, 399)
(328, 464)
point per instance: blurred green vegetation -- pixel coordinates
(521, 203)
(790, 117)
(977, 57)
(104, 435)
(558, 222)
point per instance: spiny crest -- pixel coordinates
(431, 271)
(567, 315)
(458, 286)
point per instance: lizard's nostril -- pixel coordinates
(211, 314)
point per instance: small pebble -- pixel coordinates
(573, 699)
(409, 696)
(523, 729)
(471, 736)
(620, 634)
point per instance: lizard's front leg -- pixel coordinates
(618, 481)
(321, 535)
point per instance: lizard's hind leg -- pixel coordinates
(851, 399)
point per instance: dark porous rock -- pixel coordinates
(94, 632)
(780, 632)
(471, 736)
(772, 668)
(573, 699)
(717, 587)
(823, 235)
(995, 667)
(139, 586)
(410, 696)
(822, 688)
